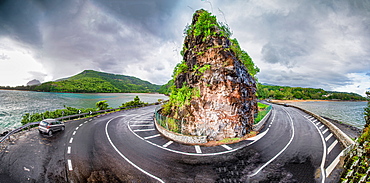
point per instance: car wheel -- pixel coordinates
(40, 132)
(63, 128)
(50, 133)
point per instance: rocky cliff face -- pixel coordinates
(224, 101)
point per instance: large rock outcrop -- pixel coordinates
(224, 103)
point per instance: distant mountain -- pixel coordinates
(33, 82)
(90, 81)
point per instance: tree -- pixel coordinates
(135, 102)
(102, 105)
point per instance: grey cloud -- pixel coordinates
(4, 57)
(20, 20)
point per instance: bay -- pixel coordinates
(351, 113)
(14, 104)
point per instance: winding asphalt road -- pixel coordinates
(125, 146)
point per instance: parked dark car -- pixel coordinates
(49, 126)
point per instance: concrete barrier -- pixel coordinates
(339, 134)
(185, 139)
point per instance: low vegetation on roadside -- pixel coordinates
(263, 109)
(68, 111)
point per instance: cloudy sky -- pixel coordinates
(308, 43)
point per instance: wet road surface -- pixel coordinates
(125, 147)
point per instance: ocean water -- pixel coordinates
(351, 113)
(13, 104)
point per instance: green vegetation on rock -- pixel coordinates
(357, 163)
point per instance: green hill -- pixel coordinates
(265, 91)
(90, 81)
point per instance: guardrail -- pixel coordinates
(72, 117)
(341, 136)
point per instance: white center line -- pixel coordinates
(168, 143)
(331, 147)
(77, 128)
(328, 137)
(226, 147)
(71, 140)
(80, 124)
(197, 149)
(69, 150)
(144, 130)
(153, 136)
(69, 165)
(281, 151)
(74, 133)
(85, 122)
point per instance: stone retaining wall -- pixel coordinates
(185, 139)
(189, 139)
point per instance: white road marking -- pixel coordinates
(278, 154)
(69, 165)
(322, 126)
(168, 143)
(85, 122)
(144, 130)
(328, 137)
(80, 124)
(124, 157)
(226, 147)
(90, 119)
(74, 133)
(331, 147)
(77, 128)
(71, 140)
(153, 136)
(69, 150)
(323, 154)
(325, 131)
(333, 164)
(142, 125)
(197, 149)
(256, 138)
(317, 123)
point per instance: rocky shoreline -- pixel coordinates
(351, 131)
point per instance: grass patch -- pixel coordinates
(263, 109)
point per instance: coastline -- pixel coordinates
(352, 131)
(292, 101)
